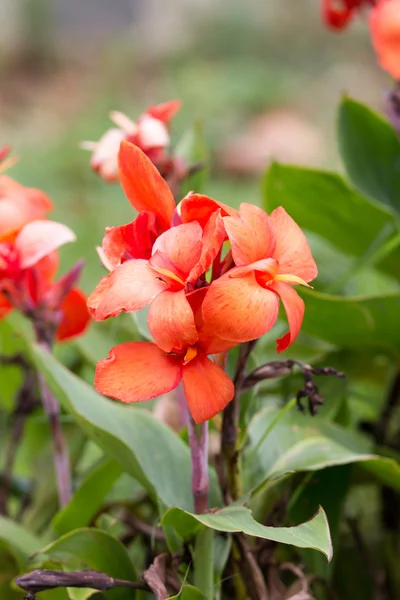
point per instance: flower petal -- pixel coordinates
(181, 245)
(384, 22)
(39, 238)
(136, 372)
(75, 316)
(131, 287)
(251, 235)
(171, 321)
(197, 207)
(213, 238)
(143, 185)
(152, 133)
(239, 310)
(294, 307)
(165, 111)
(292, 250)
(207, 388)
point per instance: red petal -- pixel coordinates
(335, 17)
(384, 24)
(165, 111)
(239, 310)
(294, 307)
(181, 245)
(131, 287)
(75, 316)
(171, 321)
(207, 388)
(213, 238)
(39, 238)
(251, 235)
(143, 185)
(197, 207)
(5, 306)
(292, 250)
(136, 372)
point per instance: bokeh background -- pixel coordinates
(263, 76)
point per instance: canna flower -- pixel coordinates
(338, 13)
(27, 268)
(150, 133)
(384, 24)
(128, 374)
(271, 254)
(19, 205)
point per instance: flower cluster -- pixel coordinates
(29, 261)
(212, 277)
(150, 133)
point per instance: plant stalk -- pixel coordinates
(199, 452)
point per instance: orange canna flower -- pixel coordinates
(150, 133)
(384, 24)
(271, 254)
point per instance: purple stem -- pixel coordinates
(60, 449)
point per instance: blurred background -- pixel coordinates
(263, 76)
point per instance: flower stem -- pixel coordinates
(199, 453)
(60, 449)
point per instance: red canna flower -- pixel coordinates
(271, 254)
(338, 13)
(27, 268)
(128, 373)
(150, 133)
(384, 24)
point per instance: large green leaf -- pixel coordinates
(359, 322)
(371, 152)
(322, 202)
(312, 534)
(146, 448)
(93, 549)
(302, 443)
(88, 498)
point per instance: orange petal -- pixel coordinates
(197, 207)
(213, 238)
(136, 372)
(294, 307)
(292, 250)
(5, 306)
(384, 22)
(239, 310)
(171, 321)
(143, 185)
(165, 111)
(181, 245)
(39, 238)
(251, 235)
(207, 388)
(131, 287)
(75, 316)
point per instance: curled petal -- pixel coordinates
(75, 316)
(197, 207)
(171, 321)
(131, 287)
(143, 185)
(181, 245)
(294, 307)
(136, 372)
(239, 309)
(165, 111)
(207, 388)
(213, 238)
(292, 250)
(251, 235)
(268, 267)
(39, 238)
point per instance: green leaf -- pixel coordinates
(301, 443)
(371, 152)
(88, 498)
(364, 321)
(322, 202)
(192, 147)
(19, 540)
(312, 534)
(93, 549)
(188, 592)
(144, 447)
